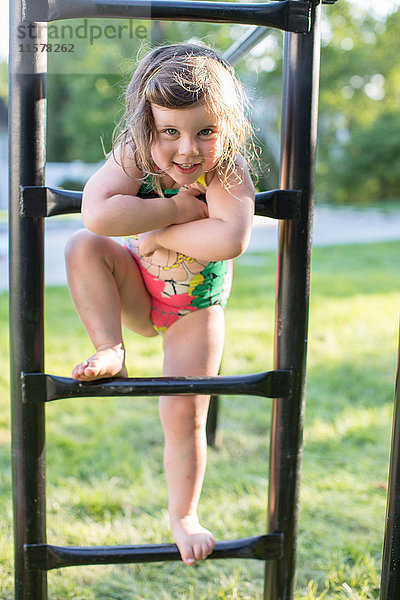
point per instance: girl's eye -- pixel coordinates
(170, 131)
(206, 132)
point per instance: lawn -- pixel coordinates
(105, 479)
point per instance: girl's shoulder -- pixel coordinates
(228, 174)
(124, 157)
(115, 176)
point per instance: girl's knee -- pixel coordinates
(81, 246)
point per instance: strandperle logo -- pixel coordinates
(29, 32)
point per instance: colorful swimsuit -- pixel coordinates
(179, 284)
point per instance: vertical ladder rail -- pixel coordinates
(390, 579)
(27, 162)
(298, 139)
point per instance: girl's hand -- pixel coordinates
(148, 243)
(188, 207)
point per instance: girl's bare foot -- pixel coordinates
(194, 541)
(106, 362)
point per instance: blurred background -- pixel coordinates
(359, 125)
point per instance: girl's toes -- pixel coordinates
(200, 553)
(79, 370)
(187, 555)
(207, 548)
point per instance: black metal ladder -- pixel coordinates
(31, 203)
(390, 575)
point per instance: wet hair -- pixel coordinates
(180, 76)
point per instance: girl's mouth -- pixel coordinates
(186, 168)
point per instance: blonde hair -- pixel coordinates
(179, 76)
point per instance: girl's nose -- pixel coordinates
(188, 146)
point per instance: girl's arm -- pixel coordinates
(111, 207)
(226, 233)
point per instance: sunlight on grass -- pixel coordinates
(105, 479)
(353, 421)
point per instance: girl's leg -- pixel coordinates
(193, 346)
(106, 287)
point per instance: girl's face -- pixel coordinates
(187, 141)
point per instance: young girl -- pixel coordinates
(184, 131)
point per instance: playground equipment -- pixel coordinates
(31, 203)
(390, 578)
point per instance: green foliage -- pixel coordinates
(85, 87)
(359, 142)
(370, 170)
(75, 132)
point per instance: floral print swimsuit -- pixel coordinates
(179, 284)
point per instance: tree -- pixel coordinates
(360, 87)
(371, 162)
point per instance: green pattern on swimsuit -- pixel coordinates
(212, 286)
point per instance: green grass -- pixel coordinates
(105, 479)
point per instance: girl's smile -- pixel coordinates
(187, 141)
(187, 169)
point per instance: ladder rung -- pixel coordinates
(36, 201)
(46, 557)
(278, 204)
(288, 15)
(40, 387)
